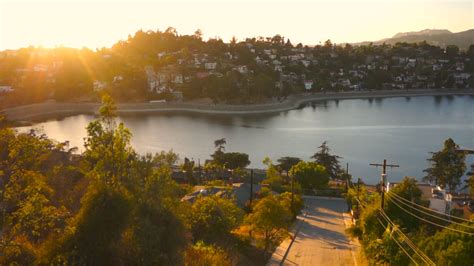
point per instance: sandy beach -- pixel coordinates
(46, 110)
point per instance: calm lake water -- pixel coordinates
(402, 130)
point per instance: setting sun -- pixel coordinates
(101, 23)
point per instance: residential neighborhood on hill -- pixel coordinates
(156, 65)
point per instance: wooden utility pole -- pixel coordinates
(358, 188)
(251, 186)
(383, 177)
(292, 192)
(347, 177)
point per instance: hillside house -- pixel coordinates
(5, 89)
(210, 65)
(99, 85)
(308, 84)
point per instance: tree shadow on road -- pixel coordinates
(334, 239)
(317, 219)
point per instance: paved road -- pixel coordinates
(321, 239)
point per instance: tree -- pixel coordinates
(188, 168)
(229, 160)
(32, 213)
(212, 218)
(329, 161)
(447, 247)
(233, 160)
(285, 163)
(310, 175)
(272, 177)
(219, 144)
(269, 220)
(164, 158)
(447, 166)
(470, 184)
(129, 213)
(452, 51)
(95, 231)
(201, 254)
(293, 204)
(406, 189)
(107, 147)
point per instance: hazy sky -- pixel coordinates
(97, 23)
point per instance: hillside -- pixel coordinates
(434, 37)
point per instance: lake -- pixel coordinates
(401, 130)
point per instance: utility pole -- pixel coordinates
(251, 186)
(383, 177)
(199, 173)
(292, 192)
(347, 177)
(358, 184)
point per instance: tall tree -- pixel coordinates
(447, 166)
(270, 220)
(108, 149)
(285, 163)
(310, 175)
(329, 161)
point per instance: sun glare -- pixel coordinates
(101, 23)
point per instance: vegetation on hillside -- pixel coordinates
(166, 65)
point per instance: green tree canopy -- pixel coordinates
(447, 166)
(270, 220)
(310, 175)
(329, 161)
(212, 218)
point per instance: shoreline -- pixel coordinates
(46, 110)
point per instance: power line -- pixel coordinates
(420, 253)
(412, 246)
(425, 212)
(400, 245)
(433, 223)
(440, 213)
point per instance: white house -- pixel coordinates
(117, 78)
(210, 65)
(308, 84)
(40, 68)
(440, 201)
(437, 67)
(99, 85)
(242, 69)
(6, 89)
(177, 79)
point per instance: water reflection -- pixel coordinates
(402, 130)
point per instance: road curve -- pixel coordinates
(44, 110)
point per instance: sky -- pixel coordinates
(101, 23)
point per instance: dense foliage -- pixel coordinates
(111, 206)
(379, 238)
(448, 166)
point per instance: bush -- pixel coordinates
(201, 254)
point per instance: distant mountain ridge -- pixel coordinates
(427, 32)
(438, 37)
